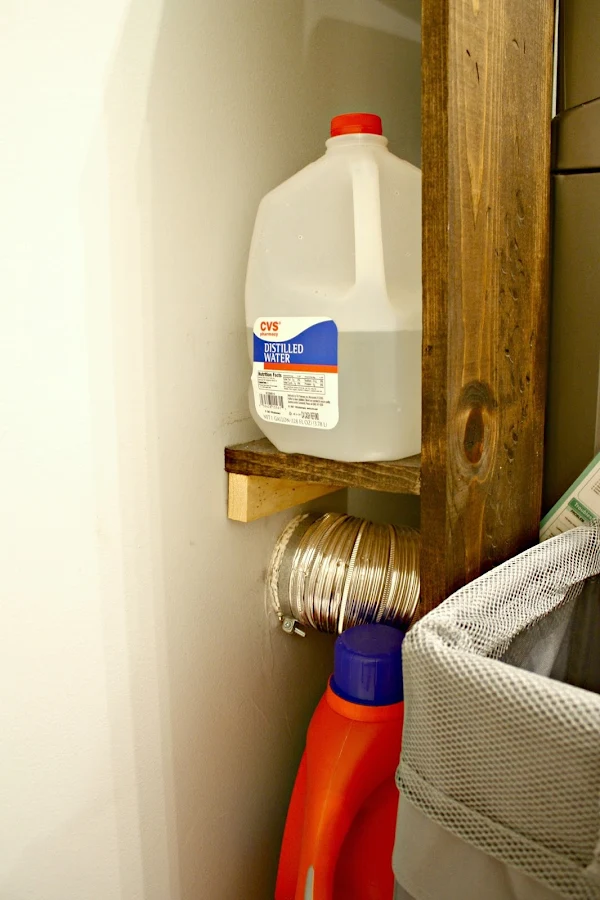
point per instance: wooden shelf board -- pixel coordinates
(261, 458)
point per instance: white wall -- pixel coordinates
(151, 716)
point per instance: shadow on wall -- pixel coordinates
(238, 96)
(366, 56)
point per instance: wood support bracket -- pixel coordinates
(252, 497)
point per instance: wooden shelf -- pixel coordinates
(486, 110)
(262, 459)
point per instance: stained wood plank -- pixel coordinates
(252, 497)
(261, 458)
(486, 109)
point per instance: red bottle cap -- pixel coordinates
(356, 123)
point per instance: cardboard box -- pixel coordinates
(578, 506)
(572, 422)
(579, 52)
(576, 138)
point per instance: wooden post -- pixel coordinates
(487, 83)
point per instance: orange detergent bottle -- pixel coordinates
(339, 834)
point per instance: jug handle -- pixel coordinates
(368, 239)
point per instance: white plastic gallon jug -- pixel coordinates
(333, 302)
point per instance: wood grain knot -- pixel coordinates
(474, 432)
(477, 433)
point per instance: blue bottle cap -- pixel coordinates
(367, 667)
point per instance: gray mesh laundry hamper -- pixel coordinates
(500, 771)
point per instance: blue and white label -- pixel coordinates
(295, 371)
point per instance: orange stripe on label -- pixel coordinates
(298, 367)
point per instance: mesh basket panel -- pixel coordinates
(505, 758)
